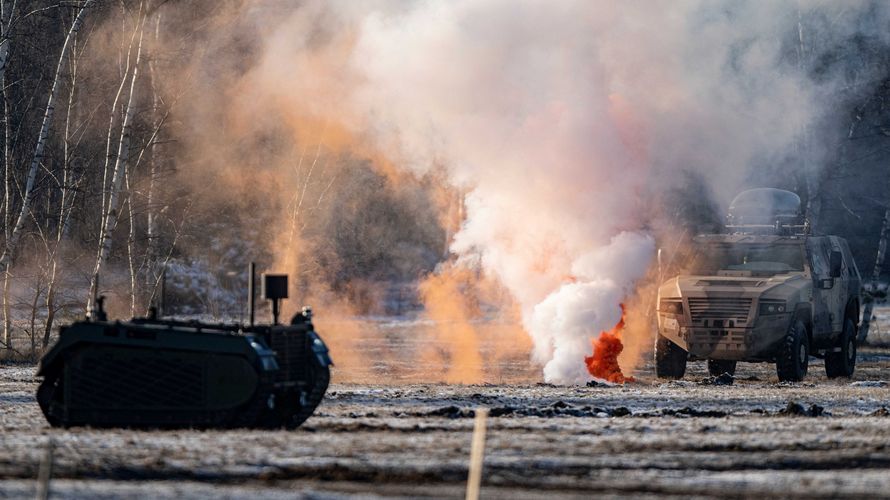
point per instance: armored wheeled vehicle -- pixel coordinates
(152, 372)
(767, 290)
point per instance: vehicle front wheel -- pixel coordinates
(670, 359)
(717, 367)
(794, 357)
(843, 362)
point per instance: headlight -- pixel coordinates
(669, 306)
(767, 308)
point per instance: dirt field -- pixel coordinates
(755, 438)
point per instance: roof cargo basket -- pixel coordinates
(766, 211)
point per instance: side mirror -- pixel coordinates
(834, 263)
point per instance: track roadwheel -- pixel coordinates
(670, 359)
(717, 367)
(842, 364)
(794, 356)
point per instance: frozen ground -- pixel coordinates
(412, 440)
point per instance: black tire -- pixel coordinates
(717, 367)
(842, 364)
(670, 359)
(794, 357)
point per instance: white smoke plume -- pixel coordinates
(561, 119)
(565, 321)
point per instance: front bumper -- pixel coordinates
(759, 342)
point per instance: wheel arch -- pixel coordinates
(804, 313)
(852, 310)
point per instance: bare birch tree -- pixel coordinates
(109, 154)
(151, 252)
(67, 192)
(5, 34)
(120, 167)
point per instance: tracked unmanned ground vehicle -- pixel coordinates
(151, 372)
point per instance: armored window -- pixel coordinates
(818, 249)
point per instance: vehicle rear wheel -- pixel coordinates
(794, 357)
(842, 363)
(670, 359)
(717, 367)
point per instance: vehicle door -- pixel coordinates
(840, 292)
(851, 272)
(826, 289)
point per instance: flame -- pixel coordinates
(603, 364)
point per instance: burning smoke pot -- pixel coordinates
(149, 372)
(766, 291)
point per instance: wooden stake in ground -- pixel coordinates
(45, 473)
(477, 454)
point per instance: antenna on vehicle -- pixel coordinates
(251, 292)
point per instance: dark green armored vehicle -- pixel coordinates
(768, 290)
(149, 372)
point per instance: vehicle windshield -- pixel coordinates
(759, 260)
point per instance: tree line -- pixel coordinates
(104, 188)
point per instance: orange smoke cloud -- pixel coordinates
(603, 364)
(474, 333)
(452, 309)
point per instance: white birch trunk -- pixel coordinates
(120, 167)
(152, 222)
(803, 142)
(131, 243)
(7, 172)
(66, 203)
(108, 139)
